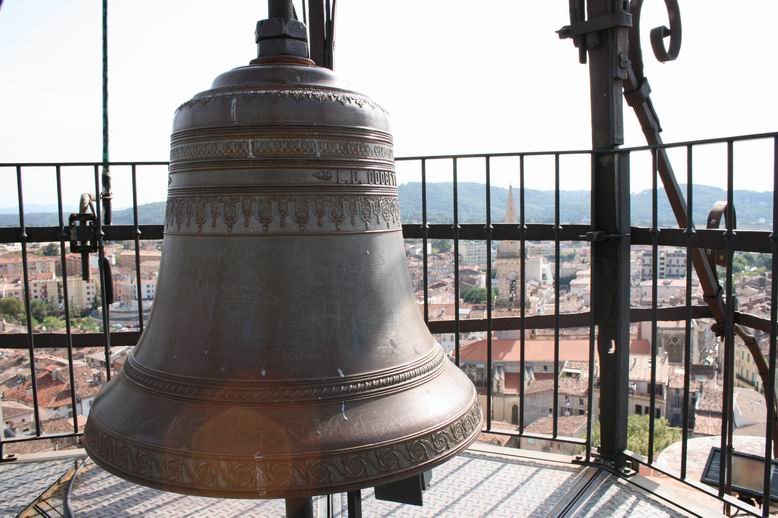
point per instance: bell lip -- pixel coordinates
(271, 495)
(473, 408)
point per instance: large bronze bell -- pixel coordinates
(285, 355)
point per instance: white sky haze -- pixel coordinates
(456, 77)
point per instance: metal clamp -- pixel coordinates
(719, 210)
(598, 236)
(82, 227)
(584, 32)
(601, 23)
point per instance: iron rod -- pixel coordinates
(105, 196)
(27, 301)
(770, 389)
(654, 302)
(301, 507)
(592, 329)
(522, 294)
(456, 262)
(489, 365)
(647, 147)
(555, 419)
(688, 328)
(66, 299)
(103, 278)
(138, 277)
(354, 499)
(730, 320)
(425, 240)
(728, 343)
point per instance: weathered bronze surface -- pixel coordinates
(285, 355)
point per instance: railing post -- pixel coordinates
(607, 51)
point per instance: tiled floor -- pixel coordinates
(21, 483)
(476, 483)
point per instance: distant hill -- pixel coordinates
(754, 209)
(148, 214)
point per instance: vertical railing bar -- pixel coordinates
(27, 300)
(66, 297)
(654, 297)
(139, 280)
(425, 239)
(725, 478)
(557, 228)
(522, 293)
(770, 389)
(101, 267)
(590, 382)
(489, 365)
(456, 262)
(688, 328)
(731, 306)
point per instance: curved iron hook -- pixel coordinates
(657, 36)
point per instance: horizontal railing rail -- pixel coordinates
(652, 237)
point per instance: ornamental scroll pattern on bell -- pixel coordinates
(270, 476)
(252, 213)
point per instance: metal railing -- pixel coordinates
(689, 238)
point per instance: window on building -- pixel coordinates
(638, 409)
(658, 413)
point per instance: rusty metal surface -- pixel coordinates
(285, 355)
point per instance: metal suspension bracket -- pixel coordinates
(82, 227)
(719, 211)
(85, 240)
(599, 236)
(585, 33)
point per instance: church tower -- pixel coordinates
(509, 263)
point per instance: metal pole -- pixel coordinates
(299, 507)
(105, 195)
(610, 215)
(354, 499)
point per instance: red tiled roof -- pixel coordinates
(534, 351)
(567, 426)
(640, 346)
(707, 425)
(539, 386)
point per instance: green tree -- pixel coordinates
(39, 310)
(637, 434)
(747, 262)
(51, 249)
(477, 295)
(86, 324)
(441, 245)
(11, 307)
(52, 323)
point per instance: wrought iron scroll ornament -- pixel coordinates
(658, 34)
(636, 88)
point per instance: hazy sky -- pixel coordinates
(456, 77)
